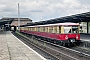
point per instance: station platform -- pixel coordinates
(11, 48)
(85, 37)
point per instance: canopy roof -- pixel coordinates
(3, 22)
(83, 17)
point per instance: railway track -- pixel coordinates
(82, 49)
(59, 52)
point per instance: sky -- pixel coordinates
(41, 10)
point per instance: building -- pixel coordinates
(23, 21)
(85, 27)
(13, 25)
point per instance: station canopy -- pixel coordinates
(83, 17)
(3, 22)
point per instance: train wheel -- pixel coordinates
(74, 44)
(61, 44)
(68, 44)
(64, 44)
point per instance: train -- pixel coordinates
(63, 34)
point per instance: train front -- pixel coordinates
(70, 34)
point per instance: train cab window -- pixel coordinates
(75, 29)
(71, 29)
(67, 29)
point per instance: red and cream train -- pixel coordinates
(60, 33)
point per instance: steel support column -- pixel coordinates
(87, 27)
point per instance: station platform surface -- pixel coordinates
(11, 48)
(85, 37)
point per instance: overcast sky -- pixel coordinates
(38, 10)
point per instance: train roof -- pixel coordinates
(83, 17)
(58, 24)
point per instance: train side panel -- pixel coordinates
(59, 37)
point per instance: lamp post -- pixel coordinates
(18, 18)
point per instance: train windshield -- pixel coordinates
(71, 29)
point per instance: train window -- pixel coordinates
(55, 29)
(59, 29)
(21, 28)
(75, 29)
(33, 28)
(71, 29)
(30, 28)
(38, 29)
(43, 29)
(51, 29)
(25, 28)
(67, 29)
(46, 29)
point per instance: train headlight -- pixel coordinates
(72, 40)
(66, 37)
(76, 36)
